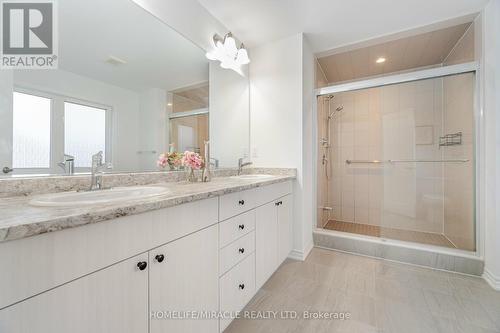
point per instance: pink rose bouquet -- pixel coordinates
(162, 160)
(192, 160)
(173, 159)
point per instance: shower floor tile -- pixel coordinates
(391, 233)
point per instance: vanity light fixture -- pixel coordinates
(380, 60)
(226, 51)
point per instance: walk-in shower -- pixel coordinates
(397, 161)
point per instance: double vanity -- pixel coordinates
(169, 257)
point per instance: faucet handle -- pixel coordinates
(97, 156)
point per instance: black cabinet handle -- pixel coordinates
(242, 250)
(241, 226)
(160, 257)
(278, 203)
(142, 265)
(242, 286)
(241, 202)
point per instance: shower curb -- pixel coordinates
(432, 257)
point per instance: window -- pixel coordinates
(31, 131)
(84, 132)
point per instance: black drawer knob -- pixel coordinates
(242, 250)
(241, 202)
(241, 226)
(160, 257)
(142, 265)
(242, 286)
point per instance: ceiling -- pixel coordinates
(420, 50)
(156, 56)
(329, 24)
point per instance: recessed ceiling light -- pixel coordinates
(380, 60)
(169, 104)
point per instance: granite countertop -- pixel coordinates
(19, 219)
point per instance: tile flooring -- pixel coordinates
(391, 233)
(380, 296)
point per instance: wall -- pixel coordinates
(188, 17)
(277, 88)
(491, 153)
(229, 115)
(153, 128)
(308, 144)
(125, 104)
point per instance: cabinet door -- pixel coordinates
(114, 299)
(186, 281)
(284, 227)
(266, 242)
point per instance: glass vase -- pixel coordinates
(190, 175)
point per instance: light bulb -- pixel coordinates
(230, 46)
(242, 57)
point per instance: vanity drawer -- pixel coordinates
(272, 192)
(236, 203)
(236, 251)
(235, 227)
(237, 287)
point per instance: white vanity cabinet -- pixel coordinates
(273, 237)
(285, 231)
(147, 273)
(183, 277)
(114, 299)
(255, 239)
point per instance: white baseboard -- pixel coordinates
(493, 281)
(301, 254)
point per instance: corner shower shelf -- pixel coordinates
(452, 139)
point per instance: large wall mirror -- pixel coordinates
(127, 85)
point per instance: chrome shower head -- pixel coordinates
(340, 108)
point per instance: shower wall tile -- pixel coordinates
(347, 213)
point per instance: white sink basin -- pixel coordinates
(74, 199)
(253, 177)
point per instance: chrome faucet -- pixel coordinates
(214, 162)
(207, 173)
(97, 170)
(241, 165)
(68, 164)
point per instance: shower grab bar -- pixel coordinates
(405, 161)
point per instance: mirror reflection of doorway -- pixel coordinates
(185, 138)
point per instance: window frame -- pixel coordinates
(37, 171)
(108, 125)
(57, 123)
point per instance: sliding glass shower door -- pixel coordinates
(399, 161)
